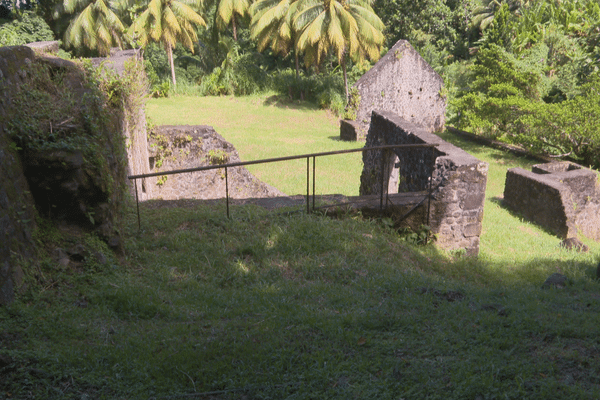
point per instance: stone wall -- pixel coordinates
(458, 179)
(403, 83)
(184, 147)
(133, 121)
(17, 208)
(562, 197)
(77, 180)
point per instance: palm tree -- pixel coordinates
(227, 10)
(271, 26)
(96, 26)
(345, 27)
(483, 15)
(168, 22)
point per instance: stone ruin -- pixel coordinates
(55, 182)
(458, 180)
(183, 147)
(402, 83)
(401, 101)
(61, 184)
(562, 197)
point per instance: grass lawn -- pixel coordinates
(271, 306)
(263, 127)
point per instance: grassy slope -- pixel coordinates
(262, 127)
(304, 307)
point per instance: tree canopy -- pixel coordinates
(167, 22)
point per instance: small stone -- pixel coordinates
(557, 280)
(58, 254)
(64, 262)
(78, 253)
(100, 258)
(573, 243)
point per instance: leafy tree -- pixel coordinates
(167, 22)
(227, 11)
(484, 15)
(271, 26)
(499, 32)
(345, 28)
(8, 36)
(95, 26)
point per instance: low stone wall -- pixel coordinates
(458, 179)
(562, 197)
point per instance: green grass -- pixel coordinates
(265, 127)
(269, 306)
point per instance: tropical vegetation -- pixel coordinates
(523, 72)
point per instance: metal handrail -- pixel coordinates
(278, 159)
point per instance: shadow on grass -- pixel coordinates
(287, 103)
(475, 144)
(265, 299)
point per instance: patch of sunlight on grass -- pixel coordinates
(260, 128)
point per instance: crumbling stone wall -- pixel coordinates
(562, 197)
(77, 180)
(17, 208)
(458, 179)
(133, 120)
(192, 146)
(403, 83)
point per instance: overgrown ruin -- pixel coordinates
(62, 154)
(191, 146)
(458, 180)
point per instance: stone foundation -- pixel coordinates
(350, 131)
(458, 179)
(562, 197)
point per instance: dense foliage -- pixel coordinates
(534, 81)
(521, 71)
(24, 28)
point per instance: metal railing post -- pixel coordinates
(137, 205)
(227, 192)
(383, 153)
(308, 185)
(430, 183)
(314, 158)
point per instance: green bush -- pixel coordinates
(569, 128)
(27, 28)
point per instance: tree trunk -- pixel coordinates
(171, 64)
(343, 61)
(297, 63)
(234, 27)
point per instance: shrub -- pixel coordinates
(27, 28)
